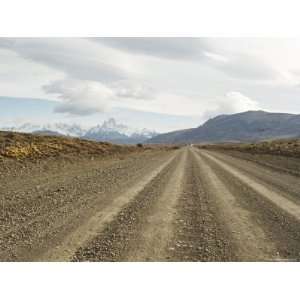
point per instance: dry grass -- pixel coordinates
(22, 146)
(276, 147)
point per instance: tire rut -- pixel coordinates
(251, 242)
(52, 214)
(184, 205)
(199, 233)
(282, 202)
(280, 227)
(141, 230)
(281, 182)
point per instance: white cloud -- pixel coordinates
(198, 50)
(129, 89)
(80, 97)
(182, 48)
(77, 58)
(232, 102)
(239, 102)
(243, 66)
(178, 76)
(216, 57)
(83, 97)
(185, 105)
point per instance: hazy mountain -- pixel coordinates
(246, 126)
(109, 131)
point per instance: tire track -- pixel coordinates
(29, 200)
(186, 205)
(199, 233)
(140, 231)
(251, 241)
(278, 163)
(279, 226)
(280, 181)
(43, 220)
(279, 200)
(98, 221)
(158, 228)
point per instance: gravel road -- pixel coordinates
(177, 205)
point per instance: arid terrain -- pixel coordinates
(74, 200)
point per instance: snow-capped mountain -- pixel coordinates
(109, 131)
(59, 128)
(113, 132)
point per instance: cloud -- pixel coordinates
(80, 97)
(87, 59)
(216, 57)
(246, 67)
(77, 58)
(233, 102)
(239, 102)
(162, 47)
(241, 66)
(134, 90)
(179, 76)
(295, 72)
(202, 50)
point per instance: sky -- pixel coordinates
(159, 83)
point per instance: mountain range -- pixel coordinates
(241, 127)
(109, 131)
(113, 132)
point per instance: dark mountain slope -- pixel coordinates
(246, 126)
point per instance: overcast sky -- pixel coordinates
(191, 78)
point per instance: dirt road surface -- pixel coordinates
(179, 205)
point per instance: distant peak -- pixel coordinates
(109, 128)
(110, 123)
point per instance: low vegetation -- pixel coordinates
(289, 147)
(27, 146)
